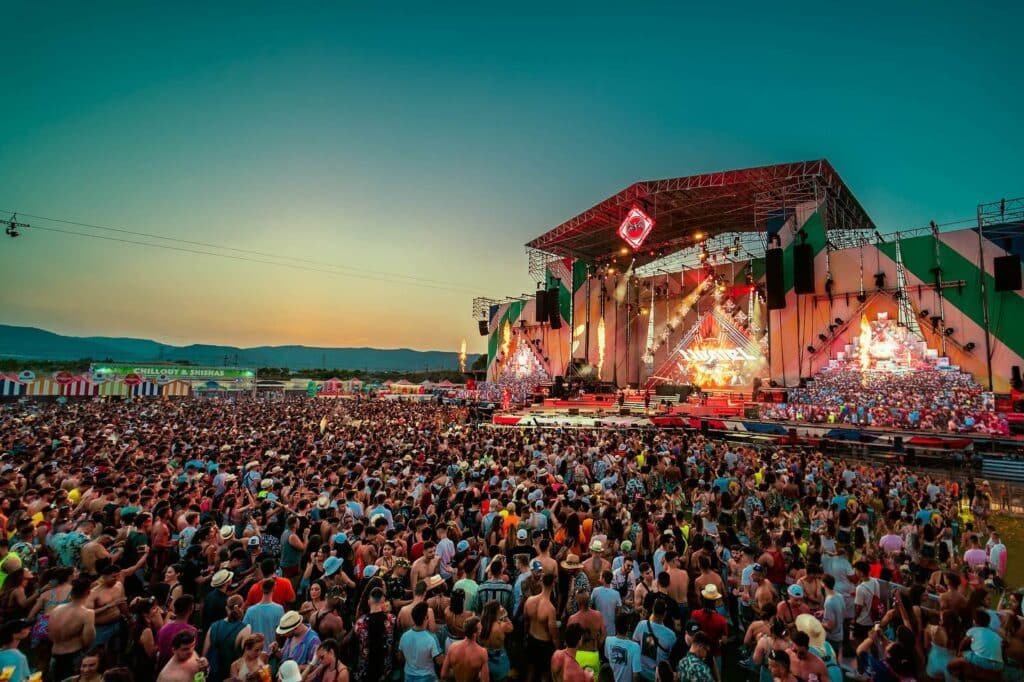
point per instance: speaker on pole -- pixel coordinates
(554, 309)
(773, 279)
(1007, 273)
(482, 324)
(541, 306)
(803, 269)
(1016, 381)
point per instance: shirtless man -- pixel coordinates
(596, 564)
(549, 565)
(405, 613)
(106, 601)
(184, 662)
(72, 631)
(679, 582)
(95, 550)
(802, 662)
(426, 565)
(541, 631)
(466, 660)
(708, 577)
(593, 630)
(564, 667)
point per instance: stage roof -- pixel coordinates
(711, 204)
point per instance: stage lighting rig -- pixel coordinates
(879, 280)
(969, 346)
(13, 225)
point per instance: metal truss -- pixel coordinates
(482, 307)
(539, 261)
(1003, 218)
(724, 248)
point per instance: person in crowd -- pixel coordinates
(611, 535)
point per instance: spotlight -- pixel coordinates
(862, 297)
(698, 235)
(838, 321)
(923, 314)
(949, 331)
(822, 338)
(832, 328)
(969, 346)
(811, 349)
(624, 251)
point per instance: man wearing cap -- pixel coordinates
(216, 600)
(12, 633)
(300, 642)
(793, 606)
(520, 546)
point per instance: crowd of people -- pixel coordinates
(927, 399)
(306, 540)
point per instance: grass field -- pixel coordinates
(1011, 530)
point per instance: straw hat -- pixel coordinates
(323, 502)
(572, 563)
(289, 672)
(807, 623)
(710, 592)
(597, 547)
(289, 621)
(220, 577)
(434, 581)
(227, 532)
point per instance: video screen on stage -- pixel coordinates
(718, 353)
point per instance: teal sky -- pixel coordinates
(435, 140)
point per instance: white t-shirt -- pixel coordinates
(865, 592)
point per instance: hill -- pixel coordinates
(30, 343)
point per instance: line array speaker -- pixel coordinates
(773, 279)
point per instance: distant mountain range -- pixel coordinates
(29, 343)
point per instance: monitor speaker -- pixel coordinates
(483, 327)
(773, 279)
(803, 269)
(554, 309)
(1007, 273)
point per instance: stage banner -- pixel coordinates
(157, 372)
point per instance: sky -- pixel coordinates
(416, 142)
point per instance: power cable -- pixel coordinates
(340, 271)
(263, 254)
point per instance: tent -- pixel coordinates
(10, 385)
(81, 386)
(176, 387)
(44, 386)
(146, 388)
(114, 388)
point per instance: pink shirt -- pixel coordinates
(975, 557)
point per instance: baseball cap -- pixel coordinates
(757, 568)
(536, 565)
(626, 546)
(692, 627)
(370, 571)
(522, 534)
(254, 541)
(463, 546)
(796, 591)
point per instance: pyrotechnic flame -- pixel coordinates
(506, 338)
(462, 356)
(600, 346)
(864, 343)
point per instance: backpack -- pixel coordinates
(877, 607)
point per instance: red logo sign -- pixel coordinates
(635, 228)
(63, 378)
(133, 379)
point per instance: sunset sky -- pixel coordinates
(430, 141)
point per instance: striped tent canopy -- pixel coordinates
(43, 386)
(81, 386)
(114, 388)
(10, 385)
(176, 388)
